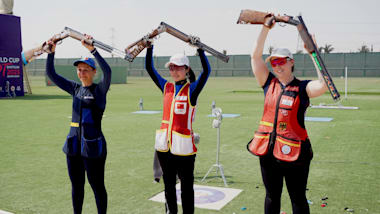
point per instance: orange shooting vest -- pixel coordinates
(279, 128)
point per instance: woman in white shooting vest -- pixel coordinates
(174, 142)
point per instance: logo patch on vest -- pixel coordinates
(284, 112)
(287, 102)
(285, 149)
(181, 98)
(180, 108)
(282, 126)
(88, 97)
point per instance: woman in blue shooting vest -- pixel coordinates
(85, 146)
(174, 144)
(281, 140)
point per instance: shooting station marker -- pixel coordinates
(333, 106)
(141, 109)
(146, 112)
(4, 212)
(205, 197)
(226, 115)
(318, 119)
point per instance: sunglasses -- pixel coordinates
(279, 61)
(176, 67)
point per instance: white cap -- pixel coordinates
(280, 53)
(179, 60)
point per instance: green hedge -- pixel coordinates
(119, 74)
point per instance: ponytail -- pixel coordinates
(190, 75)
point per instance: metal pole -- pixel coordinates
(216, 124)
(217, 145)
(219, 166)
(345, 82)
(112, 39)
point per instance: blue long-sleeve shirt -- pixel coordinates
(69, 85)
(195, 87)
(89, 102)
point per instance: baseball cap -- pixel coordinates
(86, 60)
(281, 53)
(179, 60)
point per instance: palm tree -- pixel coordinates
(363, 49)
(328, 48)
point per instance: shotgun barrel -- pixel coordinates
(79, 36)
(194, 41)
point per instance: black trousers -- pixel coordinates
(77, 166)
(273, 173)
(183, 166)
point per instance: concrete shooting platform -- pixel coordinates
(146, 112)
(226, 115)
(205, 197)
(4, 212)
(319, 119)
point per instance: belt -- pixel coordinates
(72, 124)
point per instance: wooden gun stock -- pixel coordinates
(194, 41)
(135, 48)
(46, 48)
(31, 54)
(257, 17)
(79, 36)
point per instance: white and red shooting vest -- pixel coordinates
(176, 132)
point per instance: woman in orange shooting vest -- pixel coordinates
(281, 140)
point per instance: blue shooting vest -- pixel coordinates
(85, 137)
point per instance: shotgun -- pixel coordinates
(194, 41)
(79, 36)
(311, 47)
(257, 17)
(135, 48)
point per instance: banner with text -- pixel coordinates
(11, 76)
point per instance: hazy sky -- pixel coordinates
(346, 24)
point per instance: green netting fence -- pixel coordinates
(358, 64)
